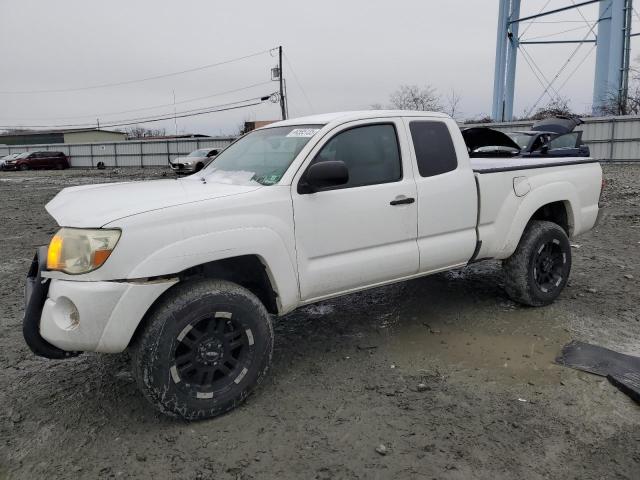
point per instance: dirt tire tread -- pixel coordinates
(145, 346)
(518, 284)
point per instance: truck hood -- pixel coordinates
(477, 138)
(92, 206)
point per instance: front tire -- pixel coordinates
(538, 270)
(205, 347)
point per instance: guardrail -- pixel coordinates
(131, 153)
(610, 139)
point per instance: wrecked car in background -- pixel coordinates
(194, 162)
(551, 137)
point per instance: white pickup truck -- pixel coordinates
(186, 272)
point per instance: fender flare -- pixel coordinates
(564, 192)
(262, 242)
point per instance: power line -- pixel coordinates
(580, 13)
(534, 20)
(537, 71)
(194, 99)
(167, 116)
(575, 51)
(129, 82)
(556, 21)
(556, 33)
(304, 93)
(577, 67)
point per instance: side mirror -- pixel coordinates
(323, 175)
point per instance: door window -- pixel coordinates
(371, 154)
(434, 148)
(568, 140)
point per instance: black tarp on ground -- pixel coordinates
(622, 370)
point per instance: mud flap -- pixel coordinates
(621, 370)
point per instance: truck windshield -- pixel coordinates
(521, 139)
(261, 156)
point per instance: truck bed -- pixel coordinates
(505, 164)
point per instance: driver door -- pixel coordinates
(364, 232)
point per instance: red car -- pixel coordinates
(34, 160)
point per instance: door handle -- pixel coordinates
(402, 201)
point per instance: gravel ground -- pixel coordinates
(455, 380)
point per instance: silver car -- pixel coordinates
(194, 162)
(9, 158)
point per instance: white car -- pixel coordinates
(11, 156)
(186, 273)
(194, 162)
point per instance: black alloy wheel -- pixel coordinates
(211, 353)
(549, 266)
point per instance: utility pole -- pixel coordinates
(282, 98)
(175, 120)
(98, 122)
(286, 99)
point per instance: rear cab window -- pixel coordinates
(435, 152)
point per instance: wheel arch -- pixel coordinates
(554, 202)
(248, 271)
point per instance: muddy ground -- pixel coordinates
(345, 376)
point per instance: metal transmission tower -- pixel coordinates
(613, 42)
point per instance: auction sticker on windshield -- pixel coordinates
(303, 132)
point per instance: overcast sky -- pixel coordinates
(346, 55)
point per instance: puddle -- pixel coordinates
(511, 344)
(523, 357)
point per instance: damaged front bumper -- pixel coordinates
(66, 317)
(35, 294)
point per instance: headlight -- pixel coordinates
(79, 250)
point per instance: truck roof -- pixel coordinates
(325, 118)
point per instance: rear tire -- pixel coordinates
(538, 270)
(205, 347)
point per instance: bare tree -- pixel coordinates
(141, 132)
(413, 97)
(558, 107)
(615, 104)
(453, 102)
(479, 119)
(376, 106)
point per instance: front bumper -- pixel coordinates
(601, 215)
(35, 293)
(96, 316)
(183, 168)
(64, 317)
